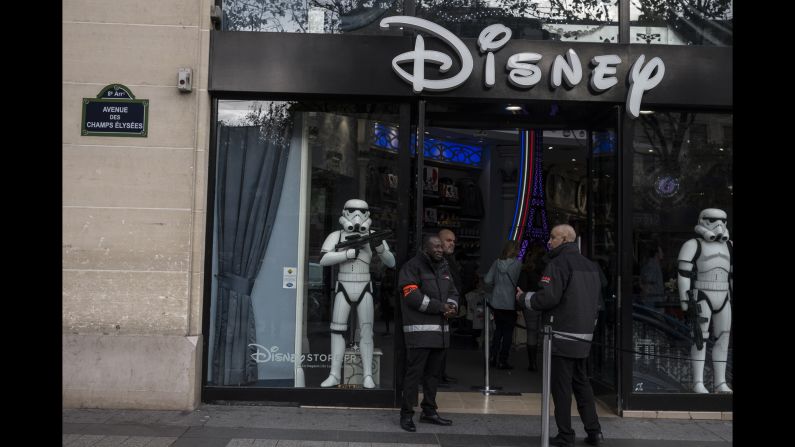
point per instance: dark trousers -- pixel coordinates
(569, 375)
(504, 322)
(423, 365)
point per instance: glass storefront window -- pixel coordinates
(686, 22)
(682, 166)
(579, 21)
(308, 16)
(285, 171)
(602, 250)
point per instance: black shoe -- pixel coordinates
(448, 379)
(406, 423)
(505, 365)
(557, 441)
(531, 361)
(594, 439)
(435, 419)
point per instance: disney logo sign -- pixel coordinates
(272, 354)
(522, 69)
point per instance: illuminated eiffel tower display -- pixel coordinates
(530, 215)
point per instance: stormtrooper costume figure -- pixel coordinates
(705, 266)
(353, 288)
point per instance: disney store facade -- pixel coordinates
(619, 123)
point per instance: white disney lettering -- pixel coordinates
(571, 67)
(272, 354)
(641, 80)
(523, 74)
(489, 46)
(420, 56)
(602, 68)
(265, 355)
(522, 69)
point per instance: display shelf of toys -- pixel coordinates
(442, 209)
(382, 193)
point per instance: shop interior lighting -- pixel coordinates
(530, 194)
(385, 137)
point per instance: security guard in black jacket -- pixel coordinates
(428, 298)
(569, 299)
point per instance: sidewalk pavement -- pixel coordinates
(279, 426)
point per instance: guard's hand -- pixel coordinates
(684, 305)
(352, 253)
(519, 293)
(449, 310)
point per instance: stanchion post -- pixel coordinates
(486, 327)
(547, 343)
(486, 389)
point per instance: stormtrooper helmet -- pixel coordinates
(356, 216)
(712, 225)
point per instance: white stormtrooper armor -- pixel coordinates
(353, 288)
(711, 286)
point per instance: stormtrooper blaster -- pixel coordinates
(695, 319)
(357, 241)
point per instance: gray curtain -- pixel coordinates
(251, 165)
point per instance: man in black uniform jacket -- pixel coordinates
(428, 298)
(569, 300)
(448, 239)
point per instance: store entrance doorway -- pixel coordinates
(492, 173)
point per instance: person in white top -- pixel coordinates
(502, 279)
